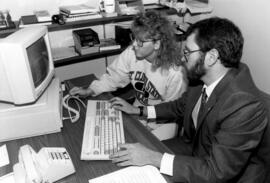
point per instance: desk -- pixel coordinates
(71, 138)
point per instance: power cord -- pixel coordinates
(66, 99)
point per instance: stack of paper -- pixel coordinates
(108, 44)
(198, 7)
(73, 13)
(193, 6)
(63, 52)
(43, 16)
(76, 9)
(134, 174)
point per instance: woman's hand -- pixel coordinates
(124, 106)
(80, 91)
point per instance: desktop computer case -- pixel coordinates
(42, 117)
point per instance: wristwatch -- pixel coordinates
(141, 110)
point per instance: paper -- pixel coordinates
(193, 6)
(63, 52)
(4, 159)
(8, 178)
(133, 174)
(198, 7)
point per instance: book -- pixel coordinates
(114, 14)
(76, 14)
(42, 16)
(108, 44)
(81, 17)
(11, 25)
(134, 174)
(31, 20)
(28, 19)
(87, 50)
(80, 8)
(3, 21)
(3, 24)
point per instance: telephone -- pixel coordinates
(48, 165)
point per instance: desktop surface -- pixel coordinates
(71, 138)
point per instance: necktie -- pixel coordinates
(203, 102)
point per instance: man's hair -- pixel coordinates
(157, 27)
(220, 34)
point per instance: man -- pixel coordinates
(223, 131)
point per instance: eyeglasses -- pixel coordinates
(187, 53)
(139, 43)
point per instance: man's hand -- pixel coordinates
(123, 105)
(136, 154)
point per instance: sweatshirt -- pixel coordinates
(151, 86)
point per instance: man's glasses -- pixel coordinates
(188, 52)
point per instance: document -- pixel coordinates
(133, 174)
(64, 52)
(4, 159)
(198, 7)
(193, 6)
(8, 178)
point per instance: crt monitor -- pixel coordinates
(26, 65)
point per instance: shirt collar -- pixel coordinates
(209, 89)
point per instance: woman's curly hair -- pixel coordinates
(158, 27)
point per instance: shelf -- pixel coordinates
(75, 24)
(6, 32)
(83, 58)
(91, 22)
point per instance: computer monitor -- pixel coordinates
(30, 95)
(26, 65)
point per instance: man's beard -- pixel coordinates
(195, 73)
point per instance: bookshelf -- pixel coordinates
(94, 58)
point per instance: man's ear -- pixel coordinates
(213, 56)
(157, 45)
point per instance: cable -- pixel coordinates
(65, 102)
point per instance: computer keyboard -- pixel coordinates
(103, 131)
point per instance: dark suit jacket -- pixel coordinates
(226, 142)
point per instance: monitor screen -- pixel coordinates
(38, 60)
(26, 65)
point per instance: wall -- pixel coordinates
(253, 18)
